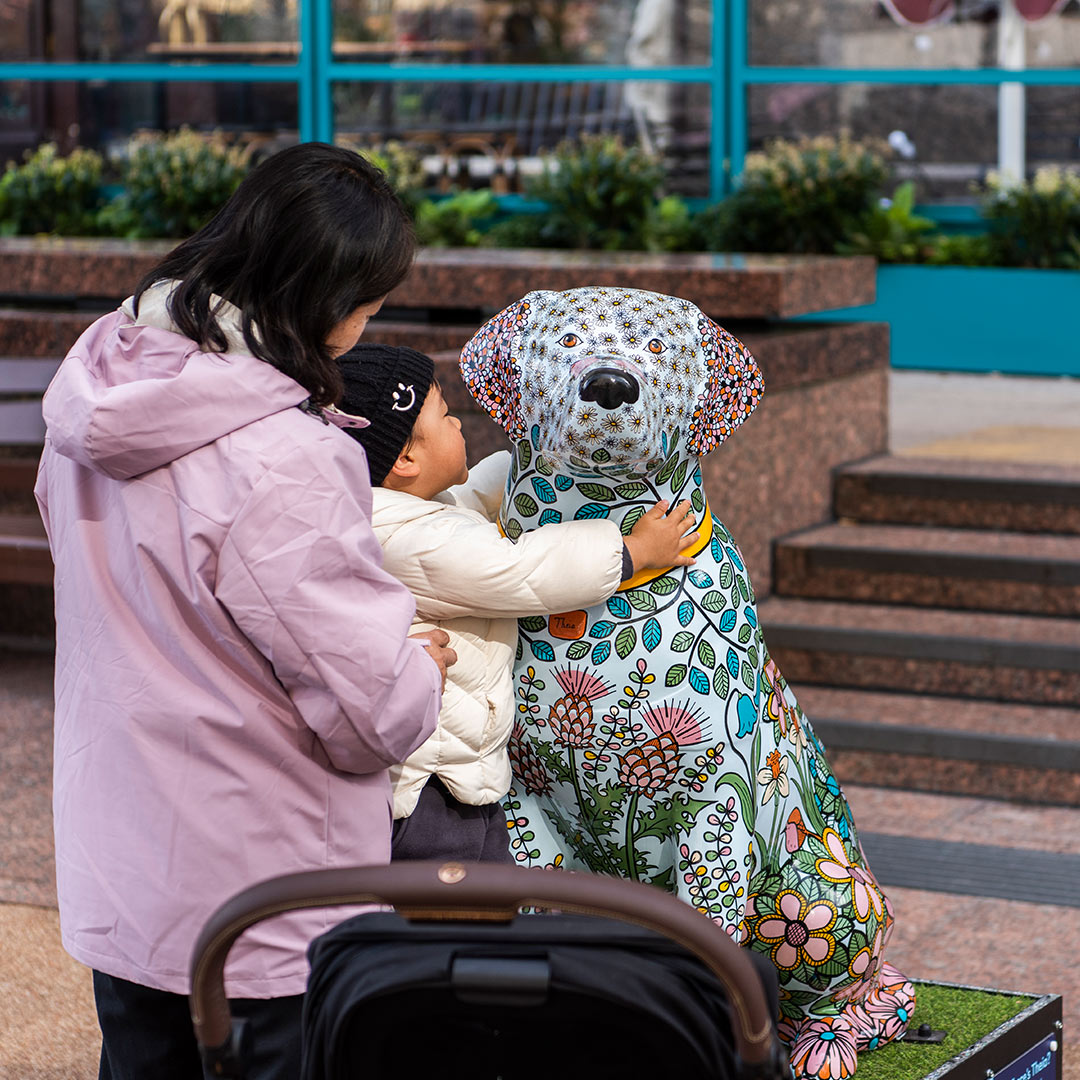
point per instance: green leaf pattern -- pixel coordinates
(696, 769)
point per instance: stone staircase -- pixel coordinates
(931, 630)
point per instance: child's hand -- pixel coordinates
(657, 538)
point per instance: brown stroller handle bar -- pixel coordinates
(487, 891)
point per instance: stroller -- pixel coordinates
(615, 979)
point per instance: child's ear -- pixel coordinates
(404, 470)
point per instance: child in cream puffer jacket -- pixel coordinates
(434, 518)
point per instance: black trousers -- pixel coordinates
(442, 828)
(146, 1034)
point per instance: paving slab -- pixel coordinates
(48, 1028)
(1053, 445)
(26, 842)
(926, 407)
(962, 819)
(1008, 945)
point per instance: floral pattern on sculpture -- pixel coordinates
(671, 748)
(798, 932)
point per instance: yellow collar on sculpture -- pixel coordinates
(643, 577)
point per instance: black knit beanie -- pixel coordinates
(385, 384)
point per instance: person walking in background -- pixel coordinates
(233, 672)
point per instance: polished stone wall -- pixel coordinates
(825, 400)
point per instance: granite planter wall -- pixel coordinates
(826, 384)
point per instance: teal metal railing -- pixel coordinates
(728, 76)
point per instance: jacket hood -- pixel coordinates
(134, 393)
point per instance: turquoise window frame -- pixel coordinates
(729, 76)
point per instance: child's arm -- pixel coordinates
(456, 565)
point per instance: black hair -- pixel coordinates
(310, 235)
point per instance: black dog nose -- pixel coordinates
(609, 387)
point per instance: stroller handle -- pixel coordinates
(454, 891)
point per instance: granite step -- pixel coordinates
(961, 494)
(26, 574)
(1018, 658)
(17, 477)
(919, 742)
(36, 333)
(969, 569)
(24, 550)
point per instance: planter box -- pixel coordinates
(973, 318)
(1026, 1047)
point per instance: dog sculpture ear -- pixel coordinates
(733, 388)
(490, 370)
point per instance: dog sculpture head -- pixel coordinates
(610, 380)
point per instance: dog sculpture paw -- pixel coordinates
(656, 739)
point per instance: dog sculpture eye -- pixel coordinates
(568, 341)
(657, 346)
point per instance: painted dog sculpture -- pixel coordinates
(655, 738)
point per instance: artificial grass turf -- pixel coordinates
(965, 1015)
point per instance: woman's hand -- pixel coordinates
(437, 643)
(658, 537)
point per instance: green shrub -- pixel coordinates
(669, 226)
(599, 193)
(1035, 223)
(892, 232)
(453, 221)
(519, 231)
(962, 250)
(51, 194)
(403, 169)
(807, 196)
(173, 184)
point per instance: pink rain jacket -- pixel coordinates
(233, 677)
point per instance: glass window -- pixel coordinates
(635, 32)
(21, 30)
(101, 116)
(21, 111)
(1052, 125)
(950, 133)
(494, 134)
(184, 29)
(861, 33)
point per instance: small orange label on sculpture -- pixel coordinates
(568, 625)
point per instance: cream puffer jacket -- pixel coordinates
(474, 583)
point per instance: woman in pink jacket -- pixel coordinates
(233, 673)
